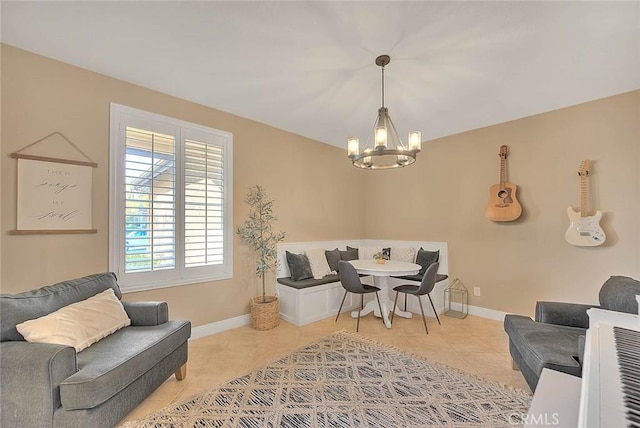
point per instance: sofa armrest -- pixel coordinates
(31, 374)
(147, 313)
(567, 314)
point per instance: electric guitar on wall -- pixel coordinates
(503, 205)
(584, 230)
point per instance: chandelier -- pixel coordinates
(386, 149)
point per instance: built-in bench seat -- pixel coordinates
(309, 282)
(418, 277)
(309, 300)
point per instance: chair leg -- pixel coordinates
(434, 309)
(395, 303)
(380, 307)
(340, 308)
(424, 320)
(359, 309)
(405, 302)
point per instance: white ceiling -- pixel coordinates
(308, 67)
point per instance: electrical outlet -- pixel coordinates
(476, 291)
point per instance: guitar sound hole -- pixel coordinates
(502, 194)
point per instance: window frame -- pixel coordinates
(122, 116)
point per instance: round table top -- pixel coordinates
(389, 268)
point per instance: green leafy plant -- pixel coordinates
(257, 232)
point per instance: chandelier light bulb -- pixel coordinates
(415, 140)
(353, 146)
(381, 136)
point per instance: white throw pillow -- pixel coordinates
(79, 324)
(403, 254)
(318, 261)
(366, 253)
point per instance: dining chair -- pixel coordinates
(351, 282)
(425, 287)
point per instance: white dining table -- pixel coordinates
(381, 274)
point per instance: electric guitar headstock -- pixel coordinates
(584, 168)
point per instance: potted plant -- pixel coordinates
(257, 233)
(380, 257)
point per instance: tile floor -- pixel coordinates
(475, 345)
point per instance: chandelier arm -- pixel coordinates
(397, 135)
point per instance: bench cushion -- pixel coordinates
(306, 283)
(418, 277)
(109, 366)
(310, 282)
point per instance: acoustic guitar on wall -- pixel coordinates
(503, 204)
(584, 230)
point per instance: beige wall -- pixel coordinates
(40, 96)
(441, 197)
(519, 262)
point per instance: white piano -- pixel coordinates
(608, 395)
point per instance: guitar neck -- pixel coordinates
(584, 203)
(503, 171)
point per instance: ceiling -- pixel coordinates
(308, 67)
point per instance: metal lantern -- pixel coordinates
(456, 300)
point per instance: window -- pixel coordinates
(170, 208)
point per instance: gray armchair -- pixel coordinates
(555, 339)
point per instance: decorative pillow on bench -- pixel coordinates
(333, 257)
(299, 266)
(426, 258)
(318, 262)
(403, 254)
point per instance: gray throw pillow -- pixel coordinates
(299, 266)
(350, 254)
(333, 257)
(426, 258)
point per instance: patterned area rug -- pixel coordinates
(344, 380)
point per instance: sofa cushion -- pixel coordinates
(618, 293)
(17, 308)
(299, 266)
(110, 365)
(79, 324)
(545, 345)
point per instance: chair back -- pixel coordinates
(428, 280)
(349, 277)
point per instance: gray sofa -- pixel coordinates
(555, 339)
(45, 385)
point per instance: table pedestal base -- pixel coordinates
(372, 306)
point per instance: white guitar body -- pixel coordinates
(584, 231)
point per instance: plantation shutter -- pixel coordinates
(150, 201)
(204, 203)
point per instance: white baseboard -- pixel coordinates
(486, 313)
(220, 326)
(242, 320)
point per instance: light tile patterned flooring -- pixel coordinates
(474, 345)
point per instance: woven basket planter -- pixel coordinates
(265, 315)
